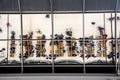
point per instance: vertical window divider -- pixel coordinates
(21, 20)
(84, 70)
(52, 23)
(118, 62)
(116, 8)
(7, 36)
(105, 33)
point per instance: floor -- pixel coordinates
(56, 77)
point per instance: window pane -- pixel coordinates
(14, 52)
(3, 26)
(67, 52)
(97, 24)
(3, 52)
(67, 56)
(14, 20)
(38, 24)
(118, 36)
(65, 23)
(99, 51)
(36, 52)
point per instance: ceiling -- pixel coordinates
(45, 6)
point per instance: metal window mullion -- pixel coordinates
(118, 71)
(7, 37)
(84, 70)
(104, 16)
(20, 11)
(52, 24)
(116, 36)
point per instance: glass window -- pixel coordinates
(37, 52)
(65, 48)
(3, 52)
(37, 24)
(14, 51)
(99, 35)
(63, 23)
(14, 25)
(3, 26)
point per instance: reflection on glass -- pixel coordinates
(3, 52)
(95, 20)
(12, 44)
(3, 26)
(95, 51)
(69, 52)
(118, 36)
(68, 22)
(89, 46)
(14, 50)
(40, 46)
(69, 47)
(58, 45)
(104, 52)
(9, 23)
(37, 24)
(14, 25)
(114, 51)
(36, 51)
(118, 23)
